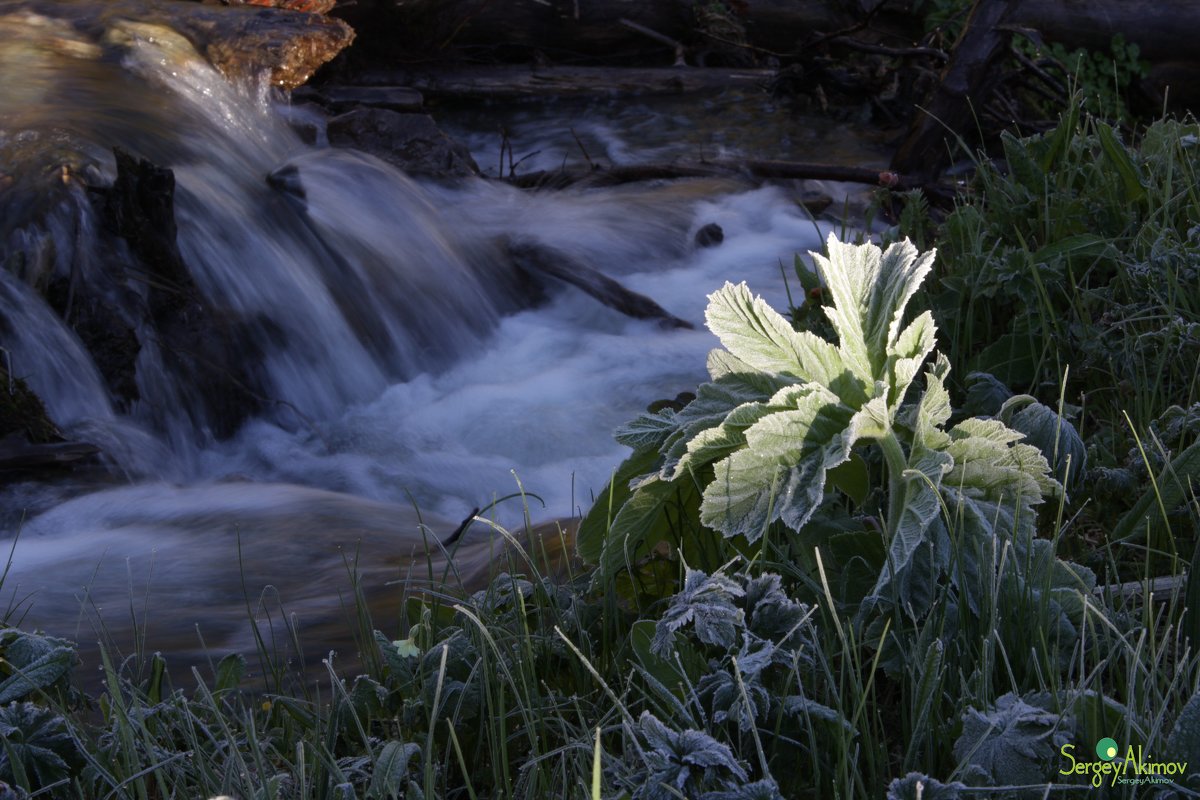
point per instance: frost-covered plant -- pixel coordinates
(784, 419)
(38, 750)
(32, 663)
(682, 763)
(759, 645)
(1012, 743)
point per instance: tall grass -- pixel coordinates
(542, 684)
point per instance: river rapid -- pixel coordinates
(403, 366)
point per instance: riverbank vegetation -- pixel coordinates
(920, 533)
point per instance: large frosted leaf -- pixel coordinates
(725, 367)
(1011, 743)
(870, 291)
(989, 462)
(713, 404)
(756, 334)
(726, 438)
(1055, 437)
(780, 474)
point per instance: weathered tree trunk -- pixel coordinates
(965, 84)
(547, 262)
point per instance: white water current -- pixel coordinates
(402, 363)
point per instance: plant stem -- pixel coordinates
(893, 456)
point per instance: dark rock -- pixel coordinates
(22, 413)
(412, 142)
(710, 235)
(200, 346)
(287, 179)
(30, 442)
(107, 332)
(815, 201)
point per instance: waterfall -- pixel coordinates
(384, 350)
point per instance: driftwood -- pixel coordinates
(518, 82)
(757, 168)
(1162, 29)
(1159, 586)
(547, 262)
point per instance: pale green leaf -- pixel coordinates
(934, 409)
(716, 443)
(713, 404)
(915, 344)
(756, 334)
(988, 460)
(1055, 437)
(725, 367)
(870, 291)
(781, 472)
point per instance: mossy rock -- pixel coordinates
(22, 412)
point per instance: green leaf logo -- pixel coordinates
(1106, 749)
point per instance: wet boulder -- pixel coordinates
(198, 343)
(30, 442)
(411, 142)
(242, 41)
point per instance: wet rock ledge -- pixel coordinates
(242, 41)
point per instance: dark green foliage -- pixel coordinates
(683, 763)
(707, 604)
(39, 750)
(1011, 743)
(33, 664)
(1080, 257)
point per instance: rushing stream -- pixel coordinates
(401, 361)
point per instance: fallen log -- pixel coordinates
(757, 168)
(22, 456)
(548, 262)
(1162, 29)
(523, 81)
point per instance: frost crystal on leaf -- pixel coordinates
(706, 603)
(1012, 743)
(683, 762)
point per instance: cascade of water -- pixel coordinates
(381, 314)
(336, 293)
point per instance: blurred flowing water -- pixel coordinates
(400, 358)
